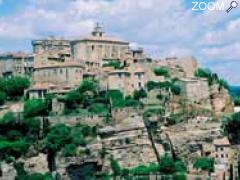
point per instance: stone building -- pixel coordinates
(16, 64)
(54, 69)
(194, 90)
(97, 47)
(222, 153)
(51, 43)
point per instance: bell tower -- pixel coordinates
(98, 31)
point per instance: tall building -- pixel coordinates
(94, 49)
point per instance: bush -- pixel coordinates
(13, 148)
(98, 108)
(167, 165)
(116, 168)
(35, 107)
(145, 170)
(14, 87)
(2, 97)
(69, 150)
(162, 71)
(57, 137)
(137, 95)
(204, 163)
(237, 101)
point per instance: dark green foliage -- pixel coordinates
(223, 83)
(98, 108)
(116, 168)
(58, 137)
(167, 165)
(2, 97)
(179, 176)
(137, 95)
(162, 71)
(115, 64)
(35, 107)
(13, 148)
(211, 77)
(204, 163)
(62, 137)
(167, 86)
(14, 87)
(231, 126)
(23, 175)
(12, 129)
(145, 170)
(237, 101)
(69, 150)
(118, 101)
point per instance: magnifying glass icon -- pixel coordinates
(233, 4)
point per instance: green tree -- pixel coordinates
(35, 107)
(139, 94)
(162, 71)
(204, 163)
(57, 137)
(2, 97)
(14, 87)
(116, 168)
(167, 165)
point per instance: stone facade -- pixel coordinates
(16, 64)
(93, 49)
(194, 90)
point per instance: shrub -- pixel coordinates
(57, 137)
(35, 107)
(116, 168)
(2, 97)
(98, 108)
(137, 95)
(69, 150)
(204, 163)
(237, 101)
(14, 87)
(145, 170)
(162, 71)
(167, 165)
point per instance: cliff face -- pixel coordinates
(220, 100)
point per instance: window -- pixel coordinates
(139, 84)
(61, 71)
(119, 75)
(222, 156)
(222, 149)
(93, 47)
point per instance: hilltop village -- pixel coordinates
(94, 108)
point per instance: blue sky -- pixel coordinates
(164, 28)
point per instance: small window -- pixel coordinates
(93, 47)
(216, 155)
(139, 84)
(222, 156)
(61, 71)
(222, 149)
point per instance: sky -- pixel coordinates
(162, 27)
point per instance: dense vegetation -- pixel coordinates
(116, 64)
(167, 166)
(211, 77)
(204, 163)
(169, 86)
(89, 97)
(231, 125)
(161, 71)
(13, 87)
